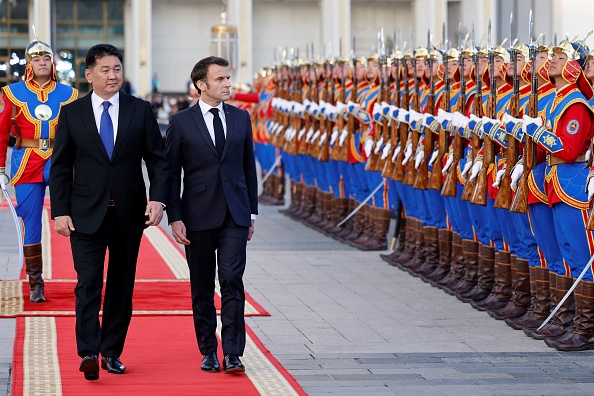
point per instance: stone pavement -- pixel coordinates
(346, 323)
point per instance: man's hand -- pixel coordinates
(178, 228)
(251, 231)
(154, 211)
(63, 225)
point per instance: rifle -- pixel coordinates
(337, 151)
(291, 145)
(387, 134)
(479, 196)
(520, 201)
(478, 111)
(314, 148)
(398, 174)
(329, 98)
(372, 162)
(410, 175)
(435, 181)
(302, 144)
(449, 186)
(390, 165)
(423, 171)
(503, 199)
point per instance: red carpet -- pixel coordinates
(161, 353)
(161, 358)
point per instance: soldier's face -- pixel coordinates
(420, 68)
(361, 70)
(482, 64)
(520, 64)
(497, 65)
(106, 76)
(541, 58)
(303, 71)
(372, 70)
(467, 66)
(452, 67)
(42, 66)
(590, 69)
(429, 71)
(557, 63)
(337, 71)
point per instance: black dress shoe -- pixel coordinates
(113, 365)
(210, 363)
(90, 367)
(232, 364)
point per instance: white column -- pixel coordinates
(335, 26)
(40, 11)
(132, 44)
(145, 46)
(429, 15)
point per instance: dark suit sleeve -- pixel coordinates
(61, 170)
(249, 167)
(155, 159)
(174, 156)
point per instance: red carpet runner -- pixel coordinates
(161, 354)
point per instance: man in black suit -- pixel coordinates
(98, 198)
(214, 218)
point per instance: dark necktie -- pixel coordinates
(218, 131)
(106, 129)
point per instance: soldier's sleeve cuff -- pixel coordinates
(549, 141)
(499, 136)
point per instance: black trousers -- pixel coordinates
(225, 246)
(88, 252)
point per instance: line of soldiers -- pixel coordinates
(481, 153)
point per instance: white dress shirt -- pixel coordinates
(209, 118)
(114, 111)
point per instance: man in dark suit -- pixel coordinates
(98, 198)
(214, 218)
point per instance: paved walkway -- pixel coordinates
(346, 323)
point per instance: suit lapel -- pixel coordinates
(124, 118)
(199, 120)
(88, 119)
(229, 122)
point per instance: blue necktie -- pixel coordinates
(218, 131)
(106, 129)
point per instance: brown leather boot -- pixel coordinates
(278, 190)
(325, 210)
(295, 189)
(486, 276)
(445, 256)
(339, 211)
(432, 253)
(34, 269)
(266, 196)
(457, 266)
(359, 221)
(501, 292)
(410, 236)
(540, 305)
(377, 230)
(520, 300)
(346, 229)
(562, 321)
(471, 249)
(309, 203)
(581, 335)
(420, 253)
(400, 243)
(318, 209)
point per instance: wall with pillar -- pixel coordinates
(40, 11)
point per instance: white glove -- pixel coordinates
(516, 175)
(343, 136)
(529, 120)
(402, 113)
(415, 116)
(456, 119)
(4, 181)
(309, 135)
(433, 157)
(500, 174)
(448, 164)
(476, 168)
(367, 146)
(467, 167)
(323, 138)
(419, 157)
(378, 145)
(377, 109)
(407, 154)
(396, 153)
(590, 188)
(588, 154)
(334, 136)
(386, 150)
(475, 118)
(443, 115)
(301, 133)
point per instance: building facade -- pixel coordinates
(163, 39)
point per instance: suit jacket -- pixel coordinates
(211, 184)
(82, 177)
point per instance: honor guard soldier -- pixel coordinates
(30, 110)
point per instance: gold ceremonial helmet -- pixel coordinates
(483, 52)
(522, 49)
(546, 48)
(468, 51)
(421, 53)
(502, 52)
(361, 60)
(435, 54)
(452, 54)
(568, 49)
(38, 48)
(373, 58)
